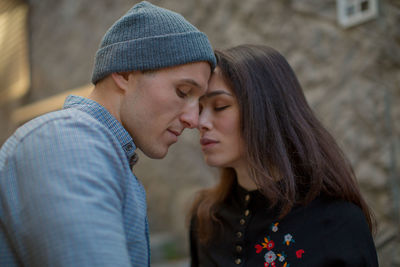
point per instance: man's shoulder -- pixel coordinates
(56, 122)
(56, 128)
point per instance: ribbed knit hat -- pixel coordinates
(149, 37)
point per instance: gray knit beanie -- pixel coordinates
(148, 37)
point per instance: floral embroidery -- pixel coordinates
(266, 264)
(272, 264)
(274, 227)
(299, 253)
(258, 248)
(281, 257)
(269, 244)
(271, 257)
(288, 238)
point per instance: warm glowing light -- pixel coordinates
(14, 63)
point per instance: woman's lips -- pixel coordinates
(206, 142)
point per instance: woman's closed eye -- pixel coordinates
(220, 108)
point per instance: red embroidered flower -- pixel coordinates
(270, 245)
(266, 264)
(258, 248)
(299, 253)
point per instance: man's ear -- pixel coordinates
(121, 79)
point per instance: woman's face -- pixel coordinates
(219, 125)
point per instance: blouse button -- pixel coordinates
(242, 221)
(239, 234)
(247, 197)
(239, 249)
(246, 213)
(238, 261)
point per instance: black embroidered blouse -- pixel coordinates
(324, 233)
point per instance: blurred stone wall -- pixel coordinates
(351, 78)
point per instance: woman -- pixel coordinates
(287, 196)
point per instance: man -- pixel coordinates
(67, 193)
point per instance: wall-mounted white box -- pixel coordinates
(354, 12)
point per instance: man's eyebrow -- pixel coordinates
(192, 82)
(215, 93)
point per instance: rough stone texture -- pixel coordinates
(351, 78)
(65, 35)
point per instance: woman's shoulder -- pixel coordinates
(332, 219)
(335, 210)
(332, 231)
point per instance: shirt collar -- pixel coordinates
(102, 115)
(243, 194)
(253, 199)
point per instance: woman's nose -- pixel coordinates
(204, 121)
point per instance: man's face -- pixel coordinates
(159, 105)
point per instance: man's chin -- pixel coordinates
(156, 154)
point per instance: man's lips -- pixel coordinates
(175, 132)
(207, 141)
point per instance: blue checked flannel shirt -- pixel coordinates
(68, 196)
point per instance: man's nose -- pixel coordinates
(190, 117)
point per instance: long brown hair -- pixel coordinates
(293, 159)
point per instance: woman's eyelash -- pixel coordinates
(221, 108)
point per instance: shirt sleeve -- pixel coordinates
(70, 182)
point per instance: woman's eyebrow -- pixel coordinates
(215, 93)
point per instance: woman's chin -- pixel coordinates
(215, 162)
